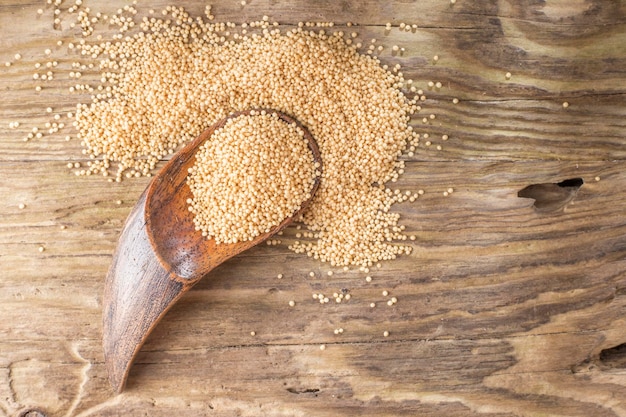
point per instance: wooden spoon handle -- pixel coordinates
(138, 292)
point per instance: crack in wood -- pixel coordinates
(84, 373)
(13, 394)
(303, 390)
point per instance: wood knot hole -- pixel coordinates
(551, 197)
(32, 412)
(614, 357)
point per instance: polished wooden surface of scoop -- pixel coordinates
(160, 256)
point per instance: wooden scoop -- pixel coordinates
(160, 256)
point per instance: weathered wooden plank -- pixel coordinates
(494, 116)
(487, 270)
(502, 310)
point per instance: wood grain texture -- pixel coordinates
(502, 310)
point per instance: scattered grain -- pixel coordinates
(277, 70)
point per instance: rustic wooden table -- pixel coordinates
(503, 309)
